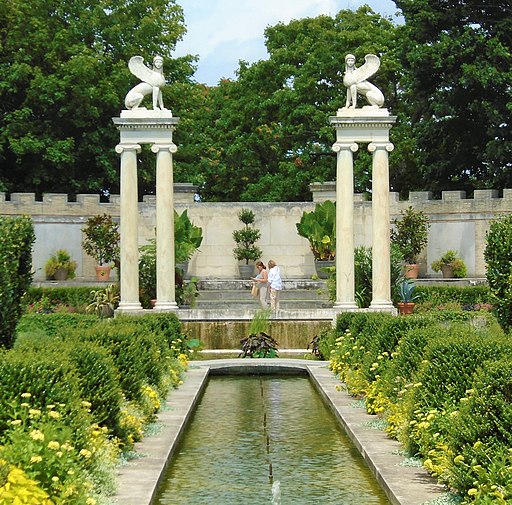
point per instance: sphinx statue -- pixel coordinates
(355, 79)
(153, 81)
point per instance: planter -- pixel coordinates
(447, 271)
(183, 267)
(246, 271)
(406, 307)
(61, 274)
(411, 271)
(321, 265)
(103, 272)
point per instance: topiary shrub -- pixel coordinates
(498, 257)
(16, 240)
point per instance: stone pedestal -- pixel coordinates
(367, 125)
(142, 126)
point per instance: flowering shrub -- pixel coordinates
(53, 454)
(444, 389)
(15, 483)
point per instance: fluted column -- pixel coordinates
(165, 258)
(345, 280)
(129, 206)
(381, 262)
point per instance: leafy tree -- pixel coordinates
(63, 76)
(457, 73)
(265, 136)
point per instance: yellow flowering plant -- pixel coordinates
(51, 453)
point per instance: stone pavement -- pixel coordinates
(404, 485)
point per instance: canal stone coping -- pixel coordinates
(138, 480)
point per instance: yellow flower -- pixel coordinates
(472, 492)
(53, 445)
(459, 459)
(55, 478)
(85, 453)
(36, 459)
(34, 412)
(36, 435)
(477, 444)
(16, 422)
(67, 447)
(54, 414)
(90, 501)
(26, 395)
(87, 405)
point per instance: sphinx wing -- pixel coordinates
(371, 65)
(145, 74)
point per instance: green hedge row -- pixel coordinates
(76, 389)
(443, 384)
(16, 239)
(467, 297)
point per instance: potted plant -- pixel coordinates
(319, 228)
(187, 293)
(60, 266)
(410, 234)
(101, 241)
(147, 274)
(104, 301)
(245, 239)
(450, 264)
(407, 296)
(187, 239)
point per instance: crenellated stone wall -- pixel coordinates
(457, 222)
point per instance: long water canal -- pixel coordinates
(266, 439)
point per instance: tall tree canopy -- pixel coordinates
(265, 136)
(458, 71)
(63, 76)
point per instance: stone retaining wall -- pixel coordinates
(457, 222)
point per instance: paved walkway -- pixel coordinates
(404, 485)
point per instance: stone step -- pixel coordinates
(253, 304)
(285, 294)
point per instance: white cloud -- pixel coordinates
(222, 32)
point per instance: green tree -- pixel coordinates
(64, 75)
(266, 135)
(457, 63)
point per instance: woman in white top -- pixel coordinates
(261, 279)
(275, 284)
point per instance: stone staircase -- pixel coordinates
(236, 294)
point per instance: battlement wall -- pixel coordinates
(457, 222)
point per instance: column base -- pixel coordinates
(383, 307)
(345, 307)
(165, 307)
(129, 306)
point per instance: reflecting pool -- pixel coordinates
(266, 440)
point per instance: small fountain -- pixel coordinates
(276, 493)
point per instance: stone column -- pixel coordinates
(345, 280)
(381, 254)
(129, 277)
(165, 260)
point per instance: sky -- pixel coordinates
(222, 32)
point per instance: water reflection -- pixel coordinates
(261, 440)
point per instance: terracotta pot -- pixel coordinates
(411, 271)
(103, 272)
(406, 307)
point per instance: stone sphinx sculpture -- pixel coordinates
(153, 81)
(356, 83)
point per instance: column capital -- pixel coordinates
(120, 148)
(172, 148)
(373, 146)
(338, 146)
